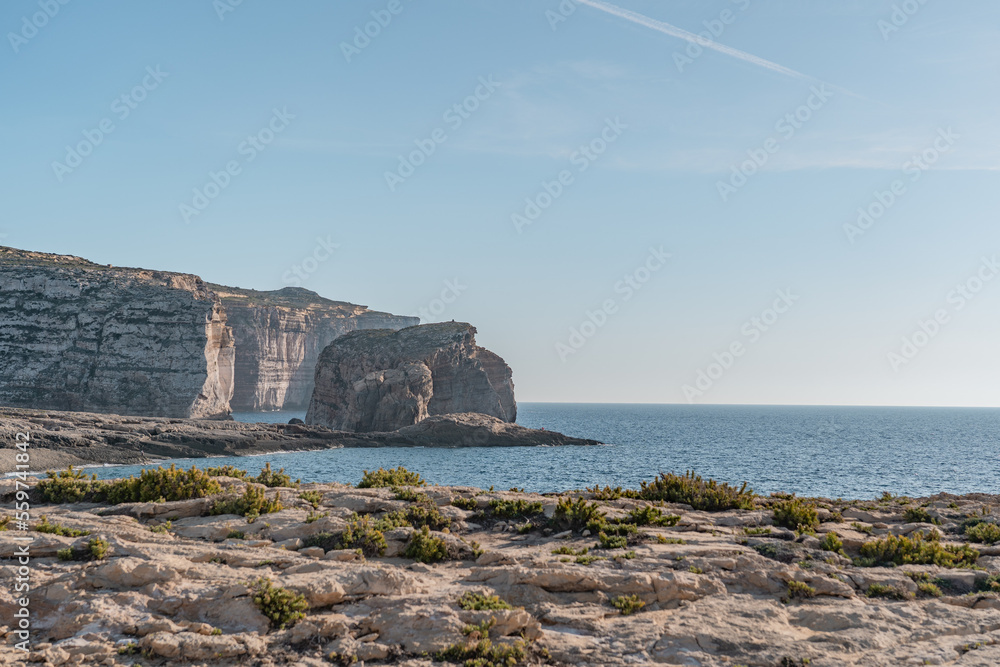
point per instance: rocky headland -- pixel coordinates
(385, 380)
(75, 335)
(59, 439)
(251, 570)
(279, 336)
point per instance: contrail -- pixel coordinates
(680, 33)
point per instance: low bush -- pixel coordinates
(578, 514)
(482, 601)
(426, 548)
(651, 516)
(251, 504)
(987, 533)
(917, 549)
(387, 478)
(281, 606)
(416, 516)
(929, 589)
(44, 526)
(887, 591)
(361, 533)
(314, 498)
(798, 590)
(606, 541)
(515, 509)
(480, 651)
(469, 504)
(920, 515)
(627, 604)
(796, 514)
(832, 542)
(161, 485)
(607, 493)
(701, 494)
(227, 471)
(98, 548)
(272, 478)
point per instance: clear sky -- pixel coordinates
(547, 168)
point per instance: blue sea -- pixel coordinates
(836, 452)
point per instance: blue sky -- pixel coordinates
(836, 101)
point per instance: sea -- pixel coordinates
(833, 452)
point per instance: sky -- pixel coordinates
(797, 206)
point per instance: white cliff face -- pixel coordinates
(279, 336)
(80, 336)
(385, 380)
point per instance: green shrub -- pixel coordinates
(315, 516)
(832, 542)
(578, 514)
(627, 604)
(251, 504)
(651, 516)
(56, 529)
(481, 601)
(416, 516)
(98, 548)
(918, 550)
(65, 554)
(929, 589)
(426, 548)
(587, 559)
(236, 535)
(393, 477)
(469, 504)
(4, 522)
(515, 509)
(282, 607)
(314, 498)
(161, 485)
(919, 515)
(987, 533)
(796, 515)
(887, 591)
(989, 585)
(798, 590)
(862, 528)
(757, 530)
(361, 533)
(691, 489)
(607, 493)
(569, 551)
(271, 478)
(612, 541)
(162, 528)
(480, 651)
(69, 486)
(227, 471)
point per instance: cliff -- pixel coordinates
(385, 380)
(279, 336)
(75, 335)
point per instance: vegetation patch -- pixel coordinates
(515, 509)
(920, 515)
(478, 650)
(796, 514)
(987, 533)
(281, 606)
(606, 541)
(468, 504)
(578, 514)
(271, 478)
(832, 542)
(798, 590)
(388, 478)
(426, 548)
(153, 485)
(701, 494)
(44, 526)
(887, 591)
(651, 516)
(251, 504)
(627, 604)
(917, 549)
(482, 601)
(314, 498)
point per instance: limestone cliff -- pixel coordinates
(385, 380)
(75, 335)
(279, 336)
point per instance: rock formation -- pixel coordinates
(173, 583)
(384, 380)
(279, 336)
(75, 335)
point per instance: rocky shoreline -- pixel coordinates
(60, 439)
(257, 572)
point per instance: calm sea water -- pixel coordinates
(844, 452)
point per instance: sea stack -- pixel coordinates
(382, 380)
(80, 336)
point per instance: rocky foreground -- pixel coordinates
(414, 575)
(60, 439)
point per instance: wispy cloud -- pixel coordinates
(680, 33)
